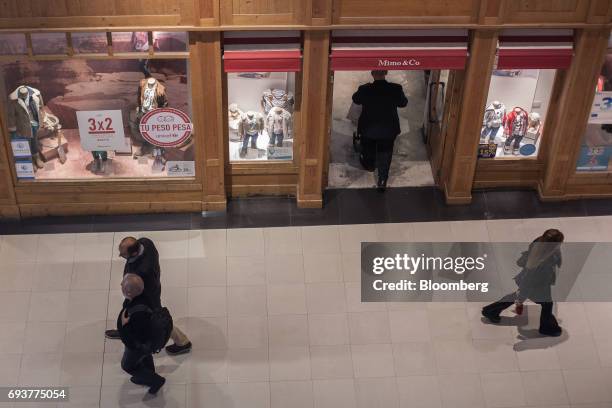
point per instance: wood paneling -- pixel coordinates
(206, 79)
(314, 107)
(458, 183)
(402, 11)
(507, 173)
(545, 11)
(566, 130)
(8, 203)
(265, 12)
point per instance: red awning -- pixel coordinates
(366, 60)
(535, 49)
(366, 50)
(262, 61)
(273, 51)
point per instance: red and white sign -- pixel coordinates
(535, 48)
(165, 127)
(398, 49)
(101, 130)
(262, 51)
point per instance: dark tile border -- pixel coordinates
(342, 206)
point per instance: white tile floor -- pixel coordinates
(276, 320)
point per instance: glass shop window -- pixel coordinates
(13, 44)
(89, 43)
(79, 118)
(515, 113)
(596, 150)
(49, 43)
(260, 115)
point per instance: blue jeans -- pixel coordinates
(489, 133)
(252, 137)
(276, 139)
(34, 147)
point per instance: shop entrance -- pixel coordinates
(428, 65)
(420, 139)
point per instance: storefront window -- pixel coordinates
(13, 44)
(96, 118)
(596, 149)
(515, 112)
(89, 43)
(260, 115)
(49, 43)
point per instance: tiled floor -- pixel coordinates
(276, 321)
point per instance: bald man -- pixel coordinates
(134, 328)
(142, 259)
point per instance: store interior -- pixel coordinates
(410, 165)
(261, 104)
(527, 89)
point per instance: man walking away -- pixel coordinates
(379, 123)
(142, 259)
(134, 327)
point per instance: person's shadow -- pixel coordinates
(528, 336)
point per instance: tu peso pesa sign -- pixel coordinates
(165, 127)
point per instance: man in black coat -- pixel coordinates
(134, 327)
(142, 259)
(379, 123)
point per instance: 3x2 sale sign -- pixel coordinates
(101, 130)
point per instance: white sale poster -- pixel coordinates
(101, 130)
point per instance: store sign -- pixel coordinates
(180, 168)
(101, 130)
(24, 170)
(21, 147)
(594, 158)
(487, 150)
(361, 60)
(165, 127)
(601, 111)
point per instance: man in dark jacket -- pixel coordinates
(134, 328)
(142, 259)
(379, 123)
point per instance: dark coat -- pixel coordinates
(136, 334)
(535, 283)
(380, 100)
(147, 267)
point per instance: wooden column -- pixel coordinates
(566, 132)
(314, 119)
(208, 116)
(8, 202)
(459, 180)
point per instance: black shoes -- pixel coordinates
(381, 186)
(112, 334)
(175, 349)
(160, 383)
(552, 332)
(136, 381)
(491, 317)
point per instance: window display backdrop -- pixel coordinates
(596, 150)
(260, 115)
(56, 109)
(515, 112)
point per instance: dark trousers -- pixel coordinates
(514, 138)
(377, 153)
(547, 319)
(140, 366)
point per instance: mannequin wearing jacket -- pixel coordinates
(151, 95)
(277, 98)
(25, 116)
(234, 116)
(493, 118)
(515, 128)
(249, 128)
(277, 125)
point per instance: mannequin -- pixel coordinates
(277, 98)
(234, 115)
(151, 95)
(515, 128)
(277, 126)
(25, 116)
(251, 125)
(493, 117)
(535, 126)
